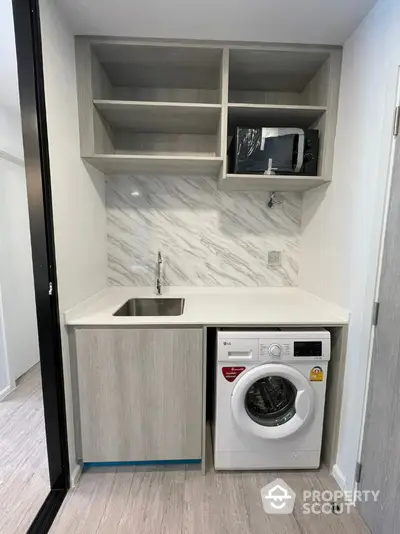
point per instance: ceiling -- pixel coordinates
(284, 21)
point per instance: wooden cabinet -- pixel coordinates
(171, 108)
(140, 393)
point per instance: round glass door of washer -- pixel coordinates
(272, 401)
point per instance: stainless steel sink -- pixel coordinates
(151, 307)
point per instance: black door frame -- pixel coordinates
(37, 166)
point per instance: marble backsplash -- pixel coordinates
(207, 237)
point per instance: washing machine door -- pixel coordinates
(272, 401)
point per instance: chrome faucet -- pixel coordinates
(159, 270)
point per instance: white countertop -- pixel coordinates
(222, 306)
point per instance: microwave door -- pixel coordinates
(280, 151)
(285, 147)
(300, 152)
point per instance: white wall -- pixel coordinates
(16, 271)
(77, 190)
(342, 223)
(18, 329)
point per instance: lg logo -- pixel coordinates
(227, 343)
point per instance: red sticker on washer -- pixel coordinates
(231, 373)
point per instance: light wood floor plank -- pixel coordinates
(200, 497)
(172, 521)
(353, 520)
(19, 446)
(132, 502)
(98, 501)
(29, 501)
(29, 384)
(311, 524)
(260, 522)
(231, 510)
(171, 501)
(160, 500)
(86, 505)
(118, 501)
(24, 477)
(328, 523)
(146, 508)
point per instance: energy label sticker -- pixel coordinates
(316, 374)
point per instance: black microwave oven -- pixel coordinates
(274, 151)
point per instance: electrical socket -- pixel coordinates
(274, 258)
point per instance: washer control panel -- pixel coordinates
(279, 345)
(296, 349)
(273, 351)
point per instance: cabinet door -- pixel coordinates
(140, 393)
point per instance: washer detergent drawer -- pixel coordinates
(238, 350)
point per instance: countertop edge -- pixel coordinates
(90, 312)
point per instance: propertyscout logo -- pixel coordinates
(279, 498)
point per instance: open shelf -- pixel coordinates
(259, 115)
(160, 117)
(262, 182)
(155, 164)
(276, 76)
(154, 71)
(171, 108)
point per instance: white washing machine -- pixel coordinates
(270, 396)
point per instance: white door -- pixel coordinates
(272, 401)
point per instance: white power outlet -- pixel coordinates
(274, 258)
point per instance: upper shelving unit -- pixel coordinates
(150, 108)
(172, 108)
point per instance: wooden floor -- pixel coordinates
(158, 500)
(24, 478)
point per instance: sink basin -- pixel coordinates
(151, 307)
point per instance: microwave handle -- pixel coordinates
(300, 153)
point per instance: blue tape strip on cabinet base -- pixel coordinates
(87, 465)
